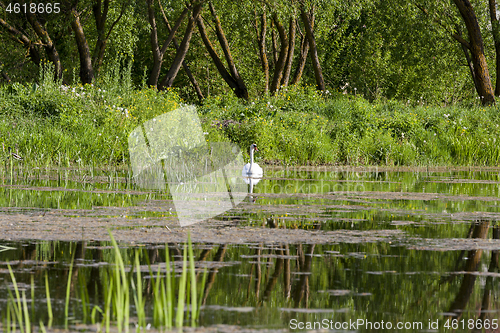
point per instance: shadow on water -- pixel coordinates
(441, 267)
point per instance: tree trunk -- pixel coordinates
(5, 76)
(23, 40)
(157, 53)
(190, 75)
(50, 48)
(274, 45)
(304, 50)
(291, 49)
(157, 56)
(168, 80)
(261, 44)
(242, 89)
(495, 29)
(101, 15)
(470, 65)
(86, 70)
(232, 83)
(262, 51)
(280, 65)
(477, 51)
(320, 83)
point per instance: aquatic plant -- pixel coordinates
(123, 290)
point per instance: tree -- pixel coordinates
(89, 65)
(473, 48)
(168, 80)
(481, 74)
(495, 31)
(232, 78)
(190, 75)
(314, 49)
(157, 52)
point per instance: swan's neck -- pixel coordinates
(251, 158)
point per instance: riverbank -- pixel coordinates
(57, 125)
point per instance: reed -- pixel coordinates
(123, 290)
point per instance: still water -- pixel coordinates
(417, 248)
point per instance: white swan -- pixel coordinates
(252, 169)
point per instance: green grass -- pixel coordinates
(56, 125)
(300, 126)
(121, 285)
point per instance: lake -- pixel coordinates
(338, 248)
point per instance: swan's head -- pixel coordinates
(253, 147)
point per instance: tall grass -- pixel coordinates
(123, 290)
(57, 125)
(301, 126)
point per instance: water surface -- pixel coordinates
(307, 245)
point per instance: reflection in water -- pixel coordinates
(273, 284)
(443, 264)
(251, 182)
(472, 266)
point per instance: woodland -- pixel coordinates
(310, 81)
(440, 52)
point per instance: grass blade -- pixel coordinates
(193, 282)
(182, 291)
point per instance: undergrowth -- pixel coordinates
(51, 124)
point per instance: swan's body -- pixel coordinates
(252, 169)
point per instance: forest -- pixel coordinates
(311, 81)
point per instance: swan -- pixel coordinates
(252, 169)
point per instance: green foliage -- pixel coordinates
(301, 126)
(55, 124)
(284, 127)
(89, 124)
